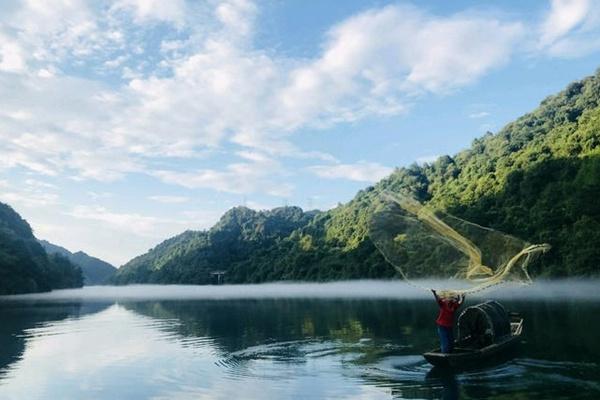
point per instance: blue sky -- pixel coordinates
(123, 123)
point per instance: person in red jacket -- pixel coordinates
(445, 320)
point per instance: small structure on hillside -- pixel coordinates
(217, 277)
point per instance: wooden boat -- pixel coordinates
(486, 334)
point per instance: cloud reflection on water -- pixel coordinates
(359, 340)
(118, 353)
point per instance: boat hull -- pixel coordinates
(462, 358)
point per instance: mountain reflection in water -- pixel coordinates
(279, 348)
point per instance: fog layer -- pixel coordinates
(548, 290)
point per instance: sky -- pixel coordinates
(123, 123)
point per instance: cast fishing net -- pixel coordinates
(421, 242)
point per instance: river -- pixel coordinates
(349, 340)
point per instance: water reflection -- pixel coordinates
(280, 348)
(450, 385)
(239, 324)
(19, 318)
(380, 343)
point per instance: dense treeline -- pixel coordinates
(24, 265)
(192, 256)
(94, 270)
(538, 178)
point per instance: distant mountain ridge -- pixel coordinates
(24, 264)
(95, 271)
(191, 256)
(538, 178)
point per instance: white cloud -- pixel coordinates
(208, 98)
(237, 16)
(31, 193)
(12, 57)
(480, 114)
(571, 28)
(134, 223)
(204, 218)
(29, 198)
(210, 85)
(66, 137)
(48, 33)
(361, 171)
(115, 236)
(169, 199)
(172, 11)
(256, 174)
(46, 72)
(563, 17)
(258, 206)
(37, 184)
(99, 195)
(238, 178)
(116, 62)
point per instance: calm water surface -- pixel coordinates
(235, 345)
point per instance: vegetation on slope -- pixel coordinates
(538, 179)
(95, 271)
(24, 265)
(192, 256)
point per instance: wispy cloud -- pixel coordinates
(34, 183)
(172, 11)
(31, 193)
(563, 17)
(361, 171)
(29, 199)
(258, 206)
(570, 28)
(256, 174)
(169, 199)
(480, 114)
(99, 195)
(133, 223)
(194, 93)
(197, 95)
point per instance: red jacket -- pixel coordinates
(447, 309)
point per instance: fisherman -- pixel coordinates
(448, 303)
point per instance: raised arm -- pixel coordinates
(439, 301)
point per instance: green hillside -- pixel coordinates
(538, 178)
(241, 234)
(24, 265)
(95, 271)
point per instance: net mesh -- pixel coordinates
(421, 242)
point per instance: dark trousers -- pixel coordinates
(446, 338)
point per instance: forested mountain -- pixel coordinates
(95, 271)
(241, 234)
(538, 178)
(24, 265)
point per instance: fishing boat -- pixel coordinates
(486, 332)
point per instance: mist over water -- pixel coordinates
(339, 340)
(549, 290)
